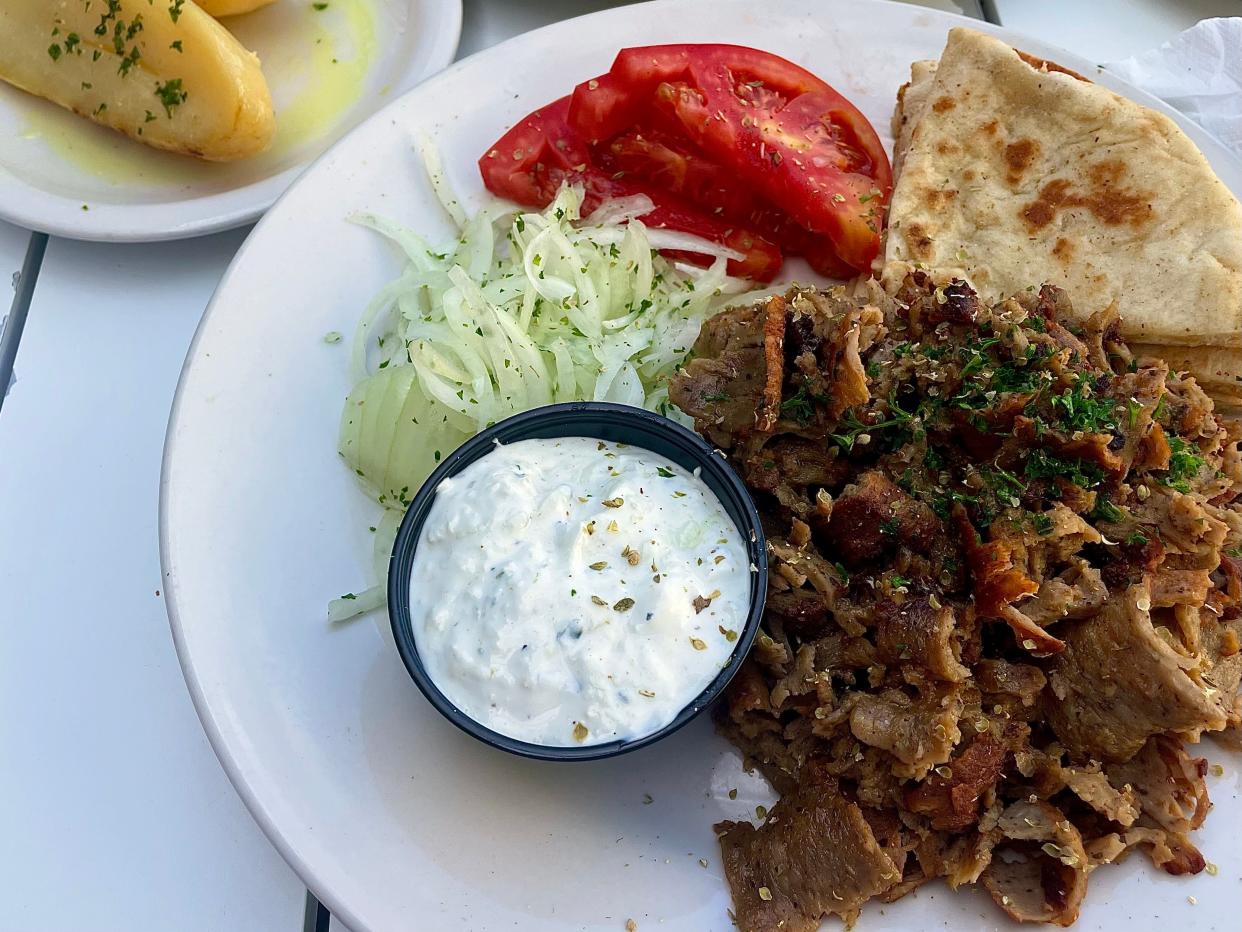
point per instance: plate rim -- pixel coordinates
(60, 215)
(285, 844)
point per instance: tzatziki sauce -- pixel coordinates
(571, 591)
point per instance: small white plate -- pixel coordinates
(391, 816)
(327, 70)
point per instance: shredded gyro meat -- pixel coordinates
(973, 513)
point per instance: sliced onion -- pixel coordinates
(478, 331)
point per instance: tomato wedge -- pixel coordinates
(772, 124)
(531, 162)
(669, 162)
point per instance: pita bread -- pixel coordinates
(1216, 368)
(1015, 172)
(911, 104)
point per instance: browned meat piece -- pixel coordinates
(919, 733)
(1171, 788)
(833, 370)
(1106, 709)
(1103, 335)
(1048, 776)
(850, 386)
(1052, 304)
(872, 516)
(1180, 587)
(1020, 680)
(1094, 789)
(794, 471)
(952, 802)
(1039, 873)
(802, 337)
(722, 387)
(981, 432)
(797, 462)
(802, 611)
(1095, 448)
(1129, 562)
(1184, 526)
(1076, 592)
(1170, 784)
(1220, 642)
(914, 631)
(839, 652)
(998, 582)
(892, 441)
(814, 857)
(1067, 534)
(1231, 571)
(1154, 450)
(956, 302)
(1173, 853)
(774, 362)
(747, 691)
(1139, 392)
(892, 835)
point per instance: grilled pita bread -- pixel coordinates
(1216, 368)
(911, 105)
(1014, 171)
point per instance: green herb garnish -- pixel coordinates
(171, 95)
(1185, 461)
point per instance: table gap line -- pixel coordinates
(15, 323)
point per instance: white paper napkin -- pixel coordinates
(1198, 72)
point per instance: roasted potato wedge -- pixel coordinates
(161, 71)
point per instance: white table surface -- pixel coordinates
(114, 813)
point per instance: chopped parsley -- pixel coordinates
(1043, 465)
(1078, 408)
(1042, 524)
(798, 405)
(856, 428)
(1185, 461)
(171, 95)
(128, 61)
(1105, 510)
(976, 356)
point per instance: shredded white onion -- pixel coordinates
(523, 309)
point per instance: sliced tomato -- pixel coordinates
(770, 123)
(806, 155)
(607, 105)
(531, 162)
(669, 161)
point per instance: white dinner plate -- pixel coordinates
(328, 69)
(390, 815)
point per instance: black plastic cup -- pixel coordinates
(598, 421)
